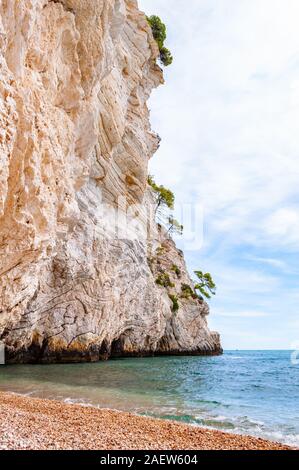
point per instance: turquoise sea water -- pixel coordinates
(251, 392)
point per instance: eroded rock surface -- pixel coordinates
(75, 141)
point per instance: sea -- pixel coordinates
(245, 392)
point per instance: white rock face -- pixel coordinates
(75, 141)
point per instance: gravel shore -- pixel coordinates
(31, 423)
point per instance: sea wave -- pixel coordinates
(246, 426)
(290, 439)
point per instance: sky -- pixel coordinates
(228, 116)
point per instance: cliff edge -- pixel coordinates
(76, 282)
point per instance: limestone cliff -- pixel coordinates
(75, 141)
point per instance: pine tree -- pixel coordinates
(159, 33)
(206, 285)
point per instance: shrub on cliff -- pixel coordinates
(174, 226)
(166, 56)
(163, 280)
(188, 292)
(206, 286)
(164, 197)
(158, 29)
(165, 200)
(159, 33)
(176, 270)
(175, 302)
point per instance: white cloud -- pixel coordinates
(275, 263)
(241, 314)
(283, 225)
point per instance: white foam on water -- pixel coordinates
(274, 436)
(289, 439)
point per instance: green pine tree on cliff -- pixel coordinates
(159, 33)
(206, 286)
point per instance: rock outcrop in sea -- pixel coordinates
(79, 253)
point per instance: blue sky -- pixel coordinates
(228, 116)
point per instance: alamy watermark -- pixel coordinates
(139, 222)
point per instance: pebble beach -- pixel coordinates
(40, 424)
